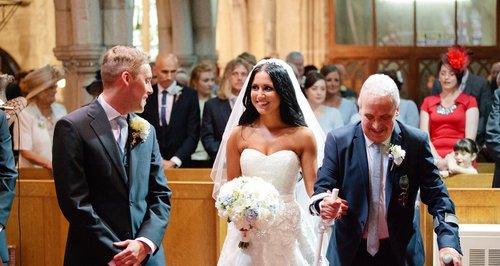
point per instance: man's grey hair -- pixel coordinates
(379, 85)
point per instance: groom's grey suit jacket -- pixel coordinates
(106, 198)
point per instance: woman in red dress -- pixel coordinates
(450, 115)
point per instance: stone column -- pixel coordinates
(118, 22)
(204, 16)
(182, 28)
(78, 46)
(84, 30)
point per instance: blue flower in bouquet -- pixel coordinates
(250, 203)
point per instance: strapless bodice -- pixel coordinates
(280, 168)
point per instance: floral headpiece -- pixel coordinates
(458, 58)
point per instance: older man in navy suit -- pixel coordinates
(379, 165)
(174, 112)
(8, 175)
(108, 173)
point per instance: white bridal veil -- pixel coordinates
(219, 174)
(219, 170)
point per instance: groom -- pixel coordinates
(108, 175)
(366, 163)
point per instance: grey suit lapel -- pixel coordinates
(102, 129)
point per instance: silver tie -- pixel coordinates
(123, 128)
(375, 189)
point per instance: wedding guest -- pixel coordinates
(329, 118)
(408, 111)
(108, 173)
(492, 78)
(174, 112)
(8, 175)
(250, 58)
(346, 92)
(452, 114)
(95, 87)
(378, 165)
(460, 161)
(297, 59)
(33, 137)
(18, 88)
(217, 110)
(476, 87)
(182, 77)
(334, 98)
(202, 80)
(310, 68)
(493, 135)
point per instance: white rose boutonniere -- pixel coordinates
(178, 93)
(397, 154)
(140, 130)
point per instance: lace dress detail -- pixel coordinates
(290, 240)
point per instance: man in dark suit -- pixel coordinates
(107, 171)
(477, 87)
(174, 112)
(379, 183)
(493, 135)
(8, 175)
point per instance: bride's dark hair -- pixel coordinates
(290, 111)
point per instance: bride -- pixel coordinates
(272, 133)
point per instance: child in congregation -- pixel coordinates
(460, 161)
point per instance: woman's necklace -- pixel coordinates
(445, 101)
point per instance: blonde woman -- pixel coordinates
(202, 80)
(217, 110)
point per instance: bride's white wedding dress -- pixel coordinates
(290, 240)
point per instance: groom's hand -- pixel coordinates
(134, 253)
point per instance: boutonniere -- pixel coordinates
(397, 154)
(41, 122)
(140, 130)
(178, 93)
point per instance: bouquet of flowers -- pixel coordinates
(250, 203)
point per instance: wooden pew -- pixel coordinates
(472, 206)
(485, 167)
(192, 236)
(195, 233)
(469, 181)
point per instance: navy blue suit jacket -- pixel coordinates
(180, 137)
(8, 175)
(104, 197)
(493, 137)
(345, 166)
(215, 116)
